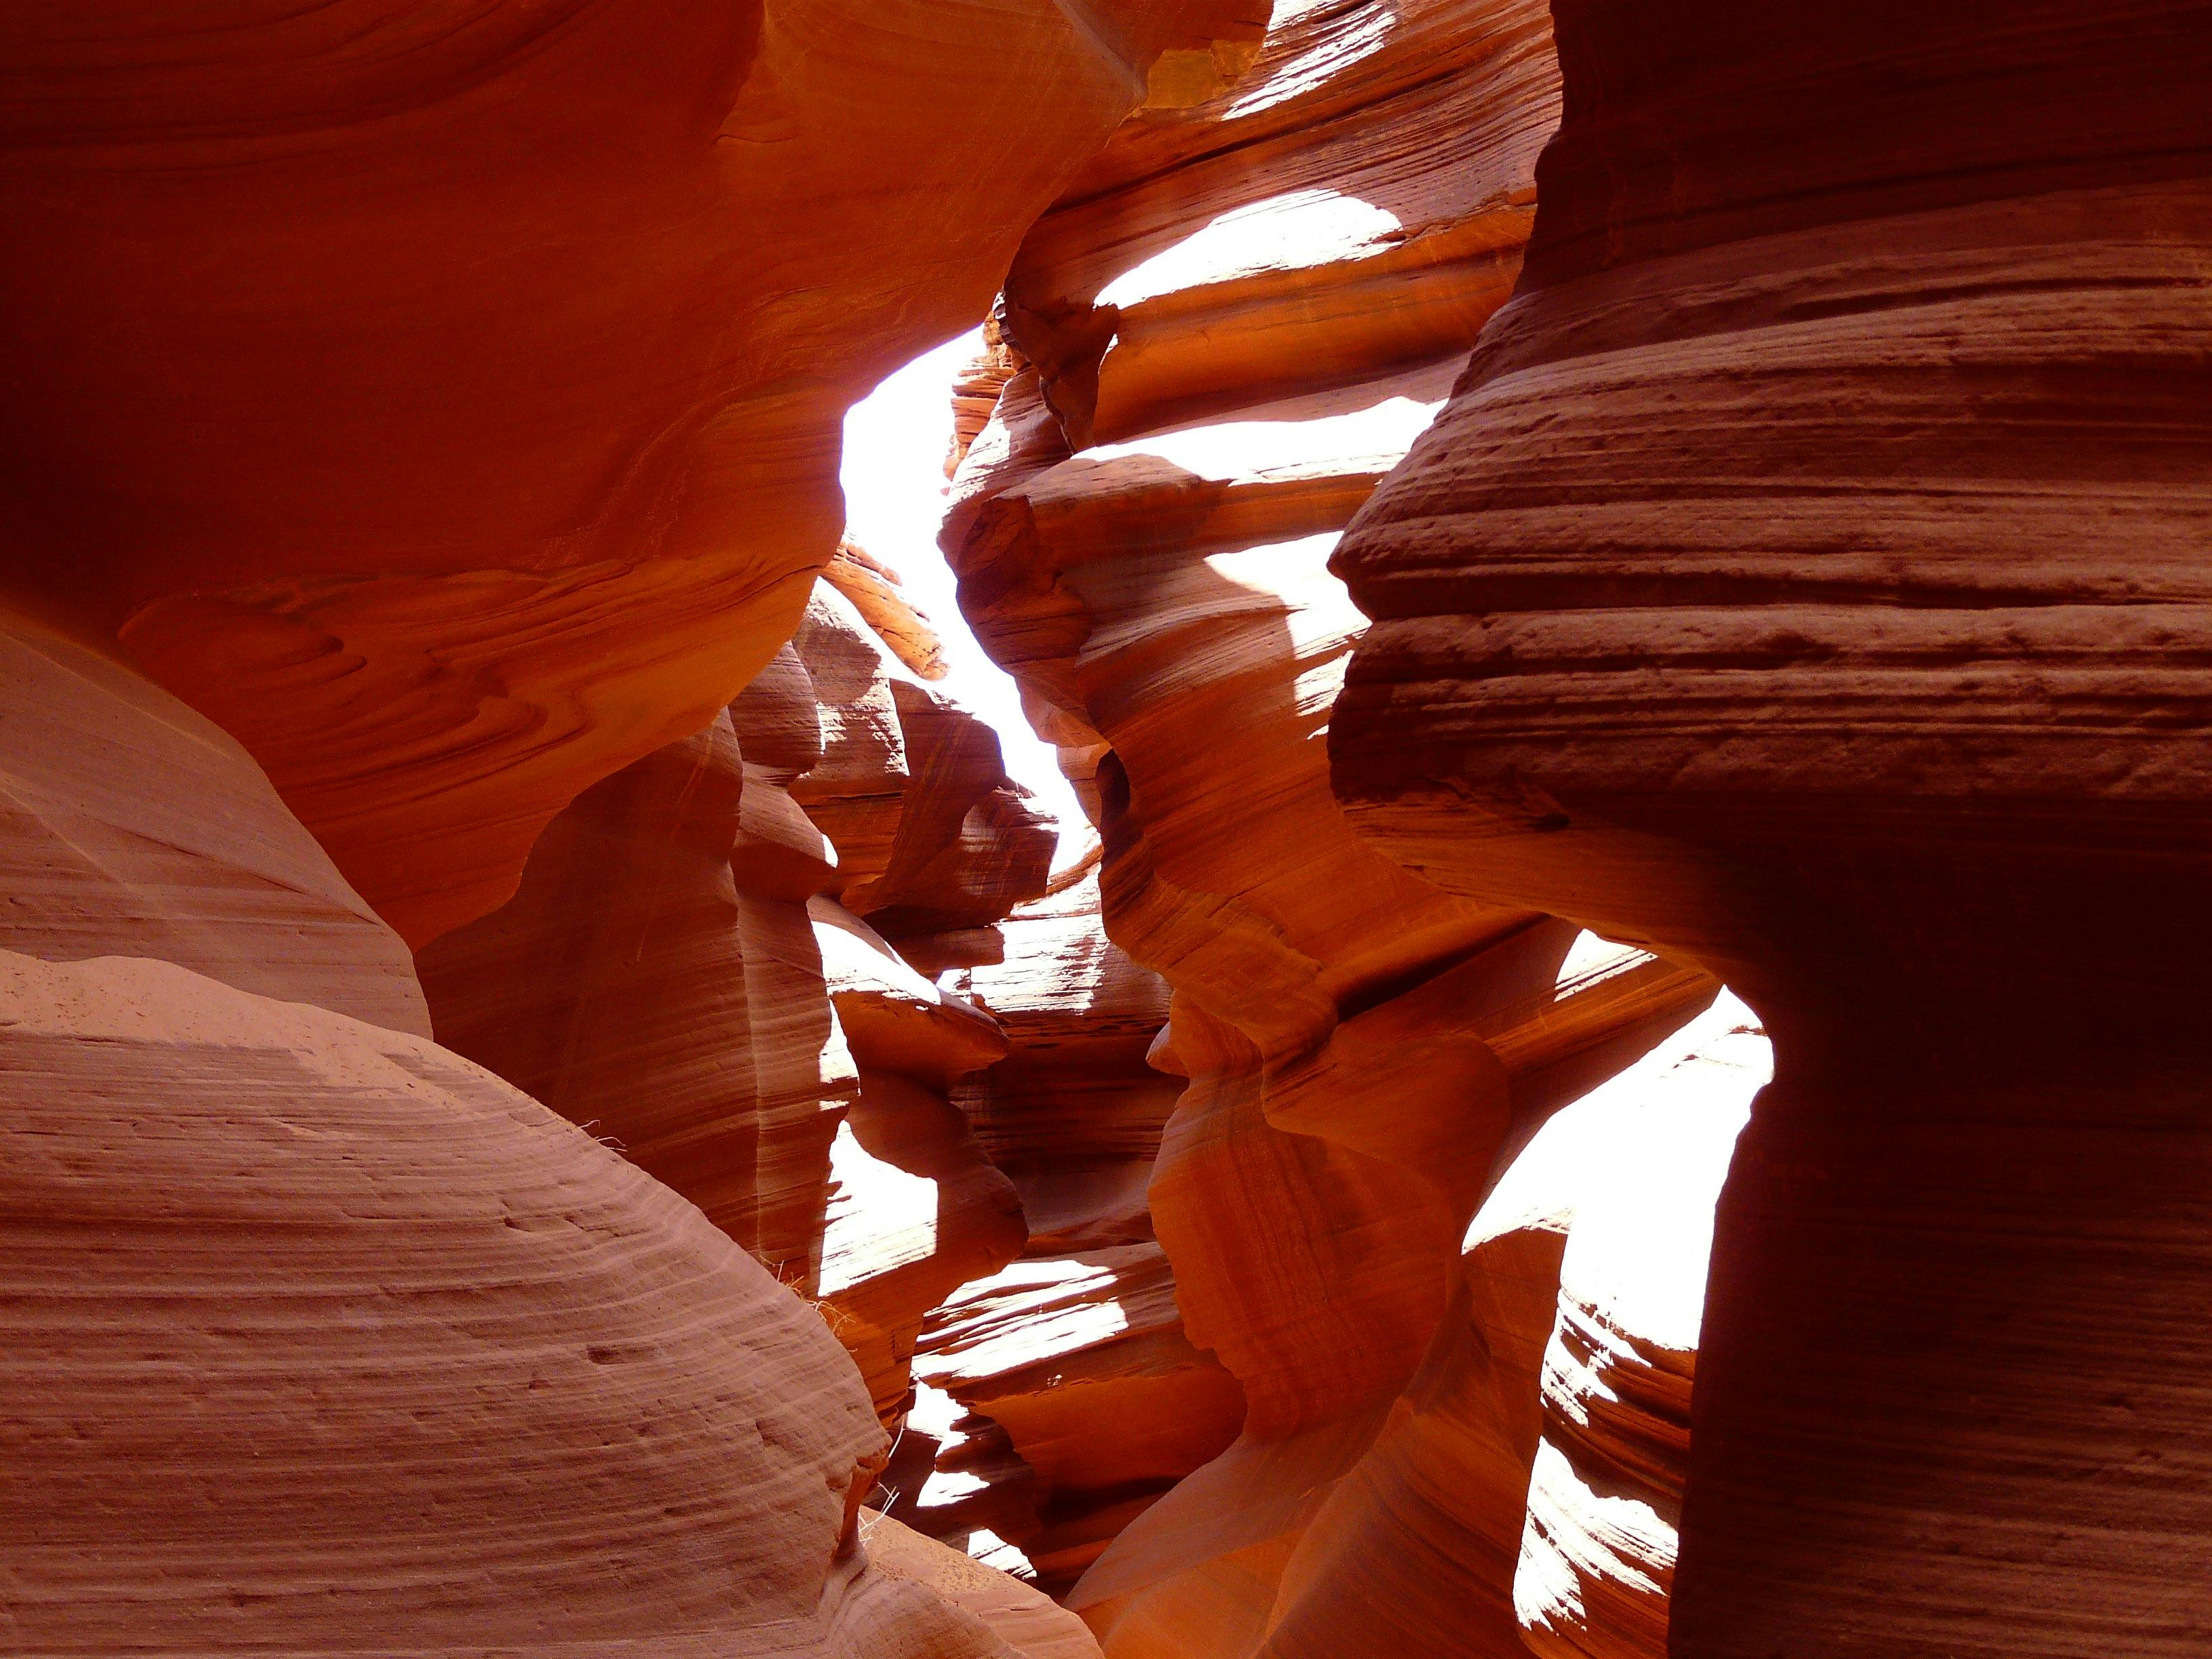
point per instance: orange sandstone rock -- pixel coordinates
(445, 399)
(1083, 1400)
(875, 592)
(631, 987)
(1233, 326)
(917, 1210)
(1025, 1620)
(1807, 579)
(131, 826)
(856, 791)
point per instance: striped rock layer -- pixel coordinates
(445, 398)
(316, 1337)
(1806, 579)
(1232, 325)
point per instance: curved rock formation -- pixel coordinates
(1025, 1620)
(1232, 326)
(917, 1211)
(445, 398)
(316, 1334)
(131, 826)
(374, 1343)
(1807, 579)
(672, 975)
(1083, 1400)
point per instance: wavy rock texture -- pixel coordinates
(673, 975)
(445, 398)
(632, 988)
(373, 1348)
(1806, 579)
(856, 791)
(131, 826)
(1556, 1385)
(1020, 1372)
(917, 1210)
(367, 1333)
(1232, 326)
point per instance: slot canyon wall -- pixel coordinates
(444, 400)
(559, 1099)
(1807, 579)
(1211, 351)
(417, 417)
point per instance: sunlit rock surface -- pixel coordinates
(1645, 1154)
(254, 1420)
(312, 1331)
(674, 975)
(1807, 579)
(916, 1210)
(1009, 1453)
(1234, 324)
(445, 399)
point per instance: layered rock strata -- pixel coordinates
(315, 1333)
(1806, 580)
(1232, 326)
(917, 1210)
(675, 975)
(131, 826)
(1084, 1400)
(445, 399)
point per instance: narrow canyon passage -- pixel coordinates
(631, 1030)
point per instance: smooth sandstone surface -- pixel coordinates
(635, 989)
(1806, 580)
(674, 975)
(1231, 328)
(375, 1347)
(444, 399)
(131, 826)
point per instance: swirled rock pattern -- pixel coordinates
(131, 826)
(1806, 579)
(445, 398)
(374, 1343)
(674, 975)
(1232, 326)
(442, 400)
(1084, 1400)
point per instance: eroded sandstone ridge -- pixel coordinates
(442, 402)
(313, 1328)
(1807, 578)
(1230, 328)
(1083, 1398)
(678, 974)
(445, 398)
